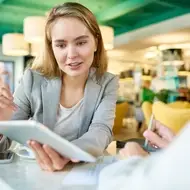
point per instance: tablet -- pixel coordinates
(22, 131)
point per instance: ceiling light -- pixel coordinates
(13, 44)
(34, 28)
(108, 36)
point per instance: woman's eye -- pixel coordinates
(81, 43)
(60, 45)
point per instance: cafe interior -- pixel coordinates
(147, 45)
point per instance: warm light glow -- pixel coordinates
(34, 28)
(145, 77)
(186, 53)
(126, 79)
(150, 54)
(35, 49)
(116, 53)
(183, 73)
(174, 46)
(170, 38)
(176, 63)
(108, 36)
(13, 44)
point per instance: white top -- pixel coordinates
(65, 126)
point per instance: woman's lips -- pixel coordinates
(74, 66)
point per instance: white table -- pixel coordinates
(26, 175)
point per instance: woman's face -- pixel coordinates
(73, 46)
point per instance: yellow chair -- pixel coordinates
(170, 116)
(121, 110)
(147, 111)
(180, 104)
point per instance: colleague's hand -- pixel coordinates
(161, 136)
(47, 158)
(7, 105)
(132, 149)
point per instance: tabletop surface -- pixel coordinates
(23, 174)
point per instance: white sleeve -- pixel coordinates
(168, 169)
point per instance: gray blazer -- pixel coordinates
(38, 98)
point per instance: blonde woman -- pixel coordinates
(67, 88)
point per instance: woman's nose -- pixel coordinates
(72, 52)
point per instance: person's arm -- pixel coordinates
(165, 170)
(99, 134)
(21, 99)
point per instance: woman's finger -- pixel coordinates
(75, 161)
(5, 100)
(6, 93)
(58, 161)
(43, 156)
(11, 107)
(35, 153)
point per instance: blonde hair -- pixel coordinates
(46, 63)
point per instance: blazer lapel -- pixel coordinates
(91, 94)
(51, 90)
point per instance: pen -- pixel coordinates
(149, 128)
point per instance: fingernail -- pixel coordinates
(74, 160)
(14, 109)
(45, 146)
(15, 106)
(145, 133)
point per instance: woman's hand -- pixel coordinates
(7, 106)
(132, 149)
(48, 158)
